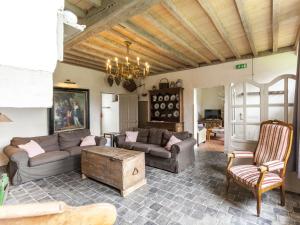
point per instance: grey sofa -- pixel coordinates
(62, 154)
(152, 142)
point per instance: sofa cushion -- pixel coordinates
(131, 136)
(32, 148)
(88, 141)
(160, 152)
(48, 157)
(142, 147)
(155, 136)
(168, 134)
(127, 145)
(173, 140)
(48, 143)
(76, 150)
(72, 138)
(142, 135)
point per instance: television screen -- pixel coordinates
(212, 114)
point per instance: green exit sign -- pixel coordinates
(241, 66)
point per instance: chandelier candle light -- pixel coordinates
(127, 70)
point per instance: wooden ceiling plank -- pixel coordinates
(148, 50)
(297, 39)
(187, 24)
(246, 25)
(275, 24)
(85, 56)
(96, 3)
(219, 26)
(113, 54)
(75, 9)
(177, 38)
(84, 60)
(79, 63)
(158, 43)
(111, 17)
(150, 59)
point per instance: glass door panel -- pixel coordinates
(252, 132)
(290, 114)
(237, 94)
(238, 131)
(291, 90)
(253, 94)
(276, 93)
(253, 114)
(238, 114)
(276, 113)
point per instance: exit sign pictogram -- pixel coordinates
(241, 66)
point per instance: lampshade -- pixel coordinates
(4, 118)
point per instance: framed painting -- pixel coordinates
(70, 110)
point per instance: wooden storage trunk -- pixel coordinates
(120, 168)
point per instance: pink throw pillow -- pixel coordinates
(173, 140)
(88, 141)
(131, 136)
(32, 148)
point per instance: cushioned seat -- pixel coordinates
(126, 145)
(76, 150)
(143, 147)
(48, 157)
(160, 152)
(249, 175)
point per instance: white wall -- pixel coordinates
(34, 121)
(27, 63)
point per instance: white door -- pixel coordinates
(128, 111)
(251, 103)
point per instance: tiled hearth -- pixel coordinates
(195, 196)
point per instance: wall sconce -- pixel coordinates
(68, 83)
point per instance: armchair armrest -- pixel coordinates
(241, 154)
(271, 166)
(16, 154)
(120, 139)
(181, 146)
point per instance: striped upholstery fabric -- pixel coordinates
(243, 154)
(274, 165)
(273, 143)
(249, 175)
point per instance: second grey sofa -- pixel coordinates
(152, 142)
(62, 154)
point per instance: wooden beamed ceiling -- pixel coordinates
(175, 35)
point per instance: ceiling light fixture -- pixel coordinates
(127, 69)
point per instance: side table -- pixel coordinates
(112, 136)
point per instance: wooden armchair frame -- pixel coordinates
(258, 190)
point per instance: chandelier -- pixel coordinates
(127, 69)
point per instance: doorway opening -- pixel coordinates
(209, 118)
(109, 113)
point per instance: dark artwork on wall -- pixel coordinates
(70, 110)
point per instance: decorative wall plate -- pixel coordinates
(154, 98)
(173, 97)
(163, 105)
(169, 115)
(166, 98)
(156, 106)
(157, 113)
(177, 97)
(170, 105)
(160, 98)
(163, 115)
(177, 105)
(176, 113)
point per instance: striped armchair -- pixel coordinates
(269, 161)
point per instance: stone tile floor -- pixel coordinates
(195, 196)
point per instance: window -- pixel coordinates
(252, 103)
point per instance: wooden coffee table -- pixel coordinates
(120, 168)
